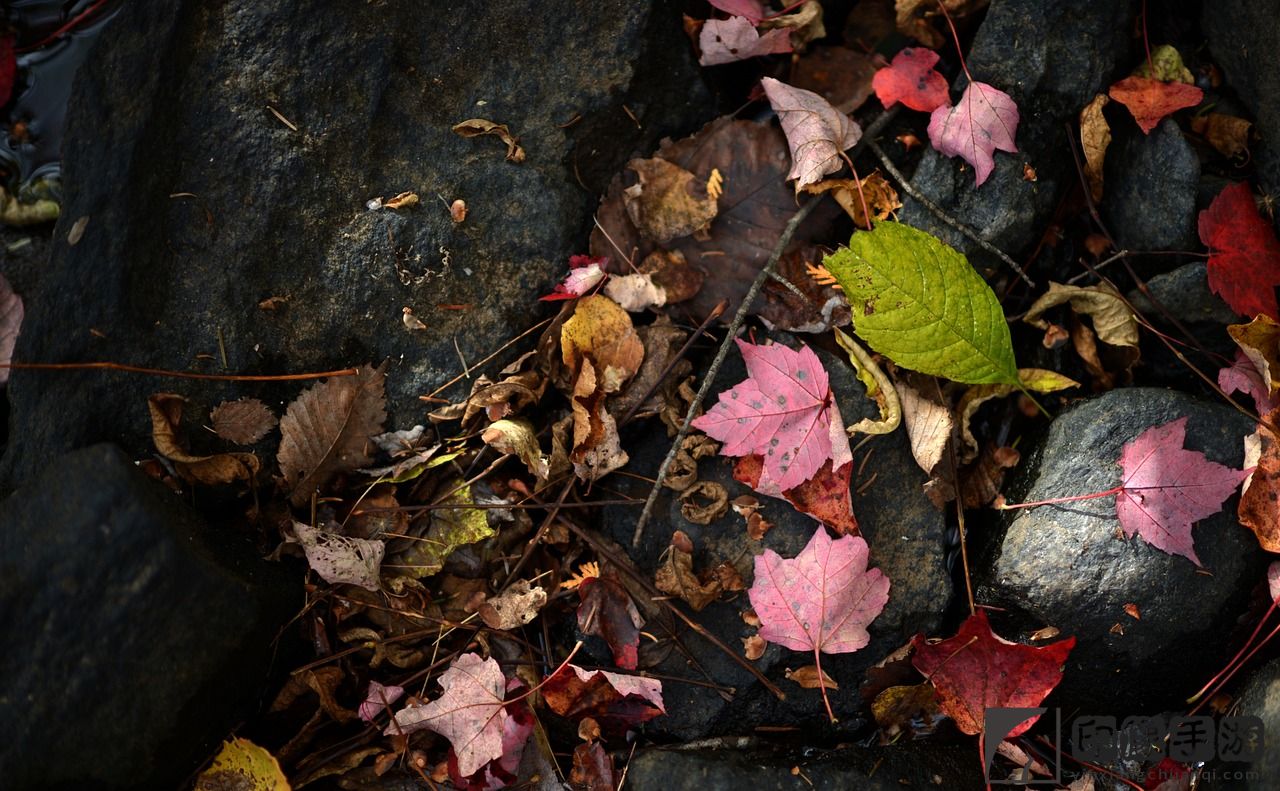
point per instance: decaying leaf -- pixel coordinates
(753, 647)
(378, 699)
(736, 38)
(662, 343)
(841, 75)
(601, 331)
(608, 611)
(340, 559)
(929, 426)
(450, 528)
(879, 388)
(597, 448)
(1165, 64)
(592, 768)
(1113, 320)
(811, 677)
(1259, 508)
(614, 700)
(243, 422)
(475, 127)
(826, 496)
(662, 278)
(517, 437)
(1095, 137)
(881, 199)
(817, 133)
(805, 24)
(516, 606)
(668, 201)
(703, 502)
(675, 576)
(404, 200)
(915, 18)
(11, 312)
(243, 766)
(905, 710)
(748, 508)
(326, 430)
(980, 482)
(1260, 342)
(1226, 133)
(166, 415)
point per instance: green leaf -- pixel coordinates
(450, 528)
(918, 302)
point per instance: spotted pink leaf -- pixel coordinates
(785, 412)
(912, 80)
(817, 133)
(984, 120)
(1166, 488)
(735, 38)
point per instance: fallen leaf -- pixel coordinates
(1149, 101)
(1259, 508)
(929, 426)
(1228, 134)
(873, 193)
(1165, 64)
(912, 79)
(663, 278)
(614, 700)
(703, 502)
(805, 24)
(243, 422)
(736, 38)
(476, 127)
(1095, 137)
(518, 438)
(675, 576)
(585, 273)
(749, 507)
(326, 430)
(920, 303)
(1036, 380)
(378, 699)
(668, 201)
(811, 677)
(1166, 489)
(340, 559)
(592, 768)
(906, 709)
(243, 766)
(449, 529)
(458, 210)
(817, 133)
(501, 772)
(601, 331)
(1132, 611)
(1113, 319)
(470, 713)
(826, 496)
(11, 313)
(914, 17)
(588, 729)
(840, 75)
(753, 647)
(516, 606)
(597, 448)
(785, 412)
(166, 415)
(1260, 342)
(753, 10)
(1273, 580)
(662, 343)
(977, 670)
(983, 121)
(818, 306)
(1243, 375)
(980, 483)
(821, 600)
(608, 612)
(404, 200)
(1244, 255)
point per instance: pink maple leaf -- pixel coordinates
(1242, 375)
(912, 80)
(735, 38)
(977, 670)
(821, 600)
(752, 10)
(817, 133)
(585, 273)
(1273, 581)
(378, 699)
(470, 713)
(1167, 488)
(785, 412)
(984, 120)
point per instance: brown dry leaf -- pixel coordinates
(475, 127)
(597, 449)
(516, 606)
(668, 202)
(982, 481)
(518, 438)
(749, 508)
(754, 209)
(714, 502)
(376, 514)
(675, 576)
(810, 677)
(588, 729)
(753, 647)
(1095, 136)
(881, 198)
(729, 577)
(1046, 633)
(1132, 611)
(929, 426)
(340, 559)
(402, 201)
(898, 708)
(1113, 321)
(458, 210)
(819, 306)
(601, 330)
(840, 75)
(166, 415)
(326, 430)
(663, 278)
(914, 18)
(1259, 508)
(243, 422)
(662, 341)
(805, 24)
(1260, 341)
(1226, 133)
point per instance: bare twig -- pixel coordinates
(715, 313)
(137, 369)
(937, 211)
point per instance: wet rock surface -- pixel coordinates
(134, 634)
(197, 202)
(906, 536)
(871, 769)
(1259, 697)
(1065, 566)
(1150, 200)
(1051, 58)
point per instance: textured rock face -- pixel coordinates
(1150, 200)
(134, 635)
(1051, 58)
(1260, 697)
(1064, 566)
(200, 202)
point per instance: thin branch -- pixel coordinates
(137, 369)
(937, 211)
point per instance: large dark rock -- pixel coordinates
(1260, 697)
(134, 635)
(1151, 184)
(1244, 37)
(892, 768)
(1065, 566)
(907, 540)
(200, 202)
(1051, 58)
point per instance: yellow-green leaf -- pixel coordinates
(918, 302)
(244, 766)
(450, 528)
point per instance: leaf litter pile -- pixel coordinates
(453, 572)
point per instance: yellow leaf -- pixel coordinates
(243, 766)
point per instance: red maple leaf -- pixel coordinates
(821, 600)
(608, 612)
(615, 701)
(1244, 256)
(912, 80)
(977, 670)
(984, 120)
(753, 10)
(1167, 488)
(826, 496)
(785, 412)
(1149, 101)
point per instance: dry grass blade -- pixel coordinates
(326, 429)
